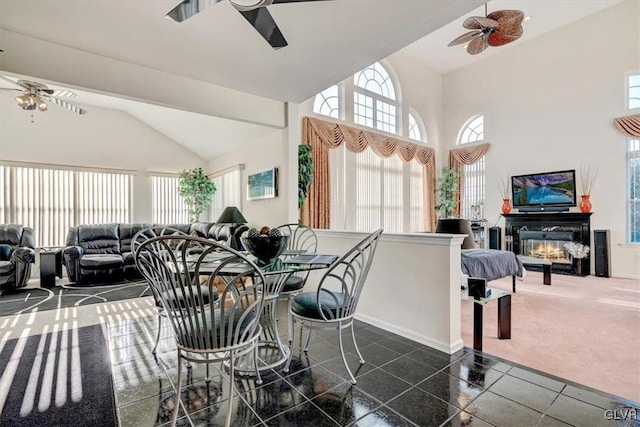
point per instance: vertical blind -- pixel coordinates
(369, 192)
(474, 187)
(168, 206)
(633, 179)
(52, 200)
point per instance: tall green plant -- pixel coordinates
(305, 172)
(197, 191)
(448, 188)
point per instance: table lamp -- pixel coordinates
(231, 215)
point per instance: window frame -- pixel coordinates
(379, 100)
(479, 190)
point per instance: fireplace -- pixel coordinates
(547, 245)
(543, 235)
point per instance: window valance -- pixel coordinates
(629, 125)
(323, 135)
(465, 155)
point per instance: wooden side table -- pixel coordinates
(50, 266)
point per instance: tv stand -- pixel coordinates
(543, 209)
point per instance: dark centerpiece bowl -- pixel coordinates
(265, 246)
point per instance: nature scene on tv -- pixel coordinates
(543, 189)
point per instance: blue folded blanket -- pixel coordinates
(491, 264)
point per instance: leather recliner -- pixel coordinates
(99, 250)
(17, 253)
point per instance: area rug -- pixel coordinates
(57, 378)
(69, 295)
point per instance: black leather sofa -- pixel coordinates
(17, 253)
(104, 250)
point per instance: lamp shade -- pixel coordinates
(231, 215)
(457, 226)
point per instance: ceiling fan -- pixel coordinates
(254, 11)
(495, 29)
(35, 95)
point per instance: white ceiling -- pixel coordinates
(328, 41)
(545, 16)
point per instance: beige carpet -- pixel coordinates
(584, 329)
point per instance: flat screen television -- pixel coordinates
(544, 189)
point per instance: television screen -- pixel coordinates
(544, 189)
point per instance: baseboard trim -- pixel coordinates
(422, 339)
(626, 276)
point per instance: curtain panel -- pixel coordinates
(629, 126)
(323, 135)
(466, 155)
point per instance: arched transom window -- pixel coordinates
(327, 102)
(414, 128)
(374, 99)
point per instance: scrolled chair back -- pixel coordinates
(180, 268)
(339, 289)
(301, 237)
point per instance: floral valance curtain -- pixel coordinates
(465, 155)
(629, 125)
(322, 135)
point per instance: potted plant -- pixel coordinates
(305, 172)
(448, 188)
(197, 190)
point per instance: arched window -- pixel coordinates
(473, 188)
(416, 127)
(633, 84)
(327, 102)
(374, 99)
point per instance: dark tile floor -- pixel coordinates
(403, 383)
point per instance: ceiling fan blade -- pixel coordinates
(12, 81)
(479, 22)
(263, 22)
(466, 37)
(479, 44)
(64, 93)
(64, 104)
(509, 21)
(498, 38)
(188, 8)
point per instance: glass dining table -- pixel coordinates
(272, 351)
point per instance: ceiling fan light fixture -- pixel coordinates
(42, 106)
(23, 100)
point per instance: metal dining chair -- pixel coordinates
(333, 305)
(301, 239)
(175, 267)
(149, 233)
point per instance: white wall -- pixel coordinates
(413, 287)
(267, 152)
(102, 138)
(549, 104)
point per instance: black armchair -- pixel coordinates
(17, 253)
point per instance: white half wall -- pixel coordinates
(548, 105)
(103, 138)
(413, 287)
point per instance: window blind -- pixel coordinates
(168, 206)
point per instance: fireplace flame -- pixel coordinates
(550, 252)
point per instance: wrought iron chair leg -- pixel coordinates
(255, 364)
(208, 376)
(306, 344)
(230, 404)
(155, 347)
(176, 409)
(292, 339)
(353, 337)
(344, 359)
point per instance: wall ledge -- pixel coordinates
(438, 239)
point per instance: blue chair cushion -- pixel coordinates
(179, 296)
(293, 283)
(306, 304)
(199, 344)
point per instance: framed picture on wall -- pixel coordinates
(262, 184)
